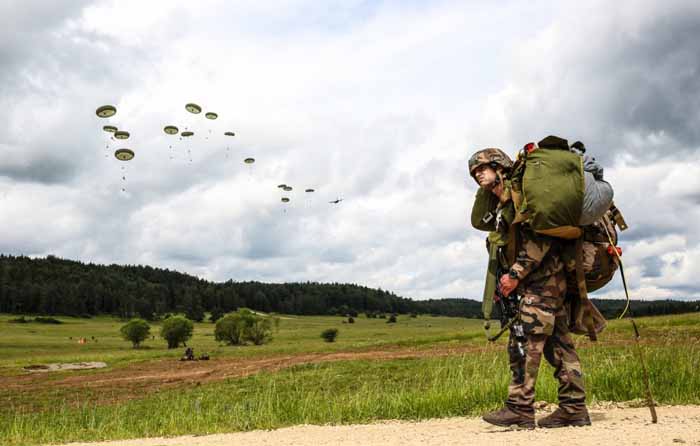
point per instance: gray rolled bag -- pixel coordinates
(598, 194)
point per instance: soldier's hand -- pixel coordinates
(508, 284)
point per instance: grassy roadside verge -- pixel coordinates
(352, 392)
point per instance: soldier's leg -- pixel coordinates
(518, 410)
(539, 306)
(524, 369)
(561, 354)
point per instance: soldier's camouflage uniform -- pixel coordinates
(545, 319)
(543, 311)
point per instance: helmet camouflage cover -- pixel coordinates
(489, 156)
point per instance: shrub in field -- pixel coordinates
(414, 315)
(392, 319)
(260, 332)
(351, 320)
(242, 326)
(329, 334)
(230, 328)
(136, 331)
(176, 330)
(382, 316)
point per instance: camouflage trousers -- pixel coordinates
(545, 322)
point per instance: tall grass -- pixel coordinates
(352, 392)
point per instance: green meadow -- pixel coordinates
(468, 382)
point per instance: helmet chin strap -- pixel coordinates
(491, 186)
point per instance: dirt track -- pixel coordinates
(677, 425)
(137, 380)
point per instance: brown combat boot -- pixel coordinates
(561, 418)
(507, 417)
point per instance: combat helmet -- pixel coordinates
(491, 156)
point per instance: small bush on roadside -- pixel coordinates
(176, 330)
(392, 319)
(136, 331)
(329, 334)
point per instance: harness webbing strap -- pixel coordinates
(650, 398)
(583, 291)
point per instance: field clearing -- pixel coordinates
(428, 367)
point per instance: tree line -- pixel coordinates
(55, 286)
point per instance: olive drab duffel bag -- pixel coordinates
(557, 190)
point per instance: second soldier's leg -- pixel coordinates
(561, 354)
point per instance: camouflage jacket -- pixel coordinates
(538, 256)
(535, 256)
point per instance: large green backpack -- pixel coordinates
(548, 188)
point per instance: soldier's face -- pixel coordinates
(485, 176)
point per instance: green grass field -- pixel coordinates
(24, 344)
(333, 392)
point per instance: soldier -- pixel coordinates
(535, 271)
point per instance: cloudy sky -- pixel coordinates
(380, 103)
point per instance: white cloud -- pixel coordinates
(378, 103)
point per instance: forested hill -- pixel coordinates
(57, 286)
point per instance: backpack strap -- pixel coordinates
(583, 291)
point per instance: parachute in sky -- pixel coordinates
(121, 134)
(281, 186)
(211, 115)
(188, 134)
(171, 130)
(106, 111)
(285, 200)
(309, 190)
(193, 108)
(228, 147)
(287, 188)
(124, 154)
(249, 160)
